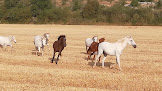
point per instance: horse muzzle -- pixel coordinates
(134, 46)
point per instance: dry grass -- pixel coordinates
(22, 70)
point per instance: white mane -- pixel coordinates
(121, 40)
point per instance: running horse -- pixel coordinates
(58, 46)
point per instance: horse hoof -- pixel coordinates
(56, 62)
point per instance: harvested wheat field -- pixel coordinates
(22, 70)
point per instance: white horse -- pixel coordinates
(89, 41)
(44, 36)
(6, 41)
(40, 43)
(114, 49)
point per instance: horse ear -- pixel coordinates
(11, 36)
(130, 36)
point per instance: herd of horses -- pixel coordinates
(93, 47)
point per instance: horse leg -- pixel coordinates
(96, 60)
(48, 47)
(89, 54)
(42, 52)
(93, 58)
(99, 54)
(86, 48)
(88, 57)
(103, 60)
(58, 57)
(4, 46)
(11, 48)
(118, 61)
(38, 50)
(99, 59)
(60, 53)
(53, 56)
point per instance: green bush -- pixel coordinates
(40, 6)
(76, 5)
(11, 3)
(75, 18)
(134, 3)
(18, 15)
(90, 10)
(114, 15)
(64, 2)
(43, 11)
(145, 0)
(159, 4)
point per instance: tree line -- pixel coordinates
(46, 12)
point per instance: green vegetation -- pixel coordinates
(159, 4)
(43, 11)
(76, 5)
(134, 3)
(145, 0)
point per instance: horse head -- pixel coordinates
(130, 41)
(62, 40)
(101, 40)
(95, 38)
(12, 38)
(46, 35)
(43, 41)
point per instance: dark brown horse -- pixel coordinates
(58, 46)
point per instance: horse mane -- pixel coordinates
(60, 39)
(61, 36)
(121, 40)
(10, 37)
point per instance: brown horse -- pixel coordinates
(58, 46)
(94, 48)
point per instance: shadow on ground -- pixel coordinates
(106, 64)
(38, 53)
(83, 52)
